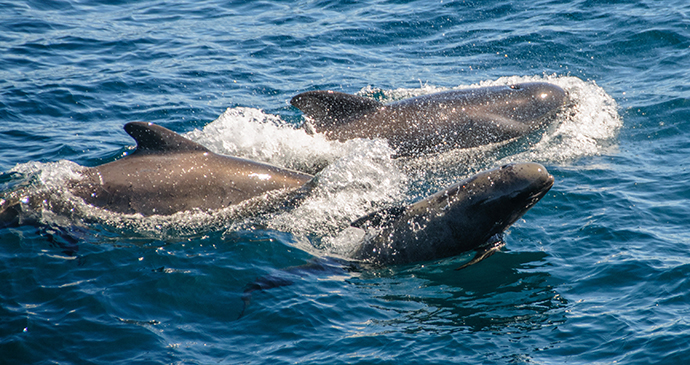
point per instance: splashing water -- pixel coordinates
(586, 126)
(355, 177)
(255, 135)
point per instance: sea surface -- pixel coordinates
(598, 272)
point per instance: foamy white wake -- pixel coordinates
(355, 177)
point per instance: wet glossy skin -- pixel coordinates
(435, 122)
(169, 173)
(455, 220)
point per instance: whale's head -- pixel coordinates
(487, 203)
(460, 218)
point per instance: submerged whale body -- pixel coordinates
(435, 122)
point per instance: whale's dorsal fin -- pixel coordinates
(379, 218)
(330, 108)
(153, 138)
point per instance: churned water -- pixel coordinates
(597, 272)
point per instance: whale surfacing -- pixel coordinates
(435, 122)
(460, 218)
(168, 173)
(464, 217)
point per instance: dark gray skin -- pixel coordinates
(458, 219)
(464, 217)
(435, 122)
(168, 173)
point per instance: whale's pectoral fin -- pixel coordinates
(152, 138)
(331, 108)
(494, 245)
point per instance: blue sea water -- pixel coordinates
(597, 272)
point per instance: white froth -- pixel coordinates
(587, 127)
(255, 135)
(363, 180)
(356, 177)
(50, 175)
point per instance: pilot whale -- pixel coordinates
(168, 173)
(435, 122)
(470, 215)
(460, 218)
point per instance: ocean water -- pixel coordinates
(596, 273)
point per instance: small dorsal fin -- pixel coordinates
(329, 108)
(153, 138)
(379, 218)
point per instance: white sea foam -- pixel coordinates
(587, 127)
(354, 178)
(363, 180)
(255, 135)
